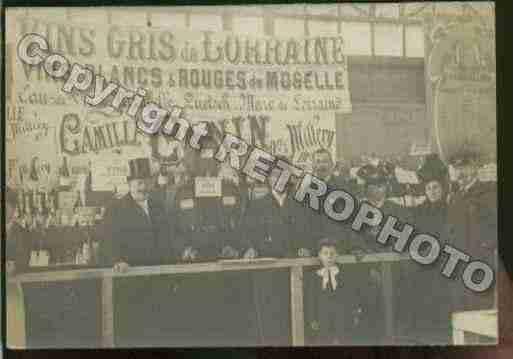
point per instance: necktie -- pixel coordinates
(328, 275)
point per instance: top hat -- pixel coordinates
(139, 168)
(373, 175)
(433, 169)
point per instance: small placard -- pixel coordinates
(229, 201)
(207, 187)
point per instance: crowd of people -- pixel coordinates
(221, 218)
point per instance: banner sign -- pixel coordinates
(278, 94)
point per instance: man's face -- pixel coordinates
(434, 191)
(466, 174)
(139, 189)
(377, 192)
(327, 256)
(322, 165)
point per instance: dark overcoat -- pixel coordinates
(424, 294)
(331, 316)
(208, 224)
(320, 226)
(130, 235)
(472, 228)
(274, 230)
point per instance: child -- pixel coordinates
(330, 301)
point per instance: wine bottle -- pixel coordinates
(34, 175)
(162, 179)
(21, 202)
(64, 175)
(28, 203)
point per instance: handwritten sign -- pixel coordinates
(109, 174)
(207, 187)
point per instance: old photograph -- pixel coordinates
(250, 176)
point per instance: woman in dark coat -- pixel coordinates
(426, 294)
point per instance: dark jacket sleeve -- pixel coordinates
(165, 233)
(110, 242)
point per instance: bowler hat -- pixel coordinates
(139, 168)
(373, 175)
(433, 169)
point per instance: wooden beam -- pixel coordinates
(107, 313)
(388, 298)
(296, 306)
(241, 265)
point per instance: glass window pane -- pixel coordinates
(417, 11)
(449, 8)
(296, 9)
(357, 37)
(248, 25)
(206, 22)
(354, 10)
(485, 8)
(322, 9)
(387, 10)
(289, 27)
(388, 40)
(246, 10)
(169, 18)
(414, 41)
(322, 28)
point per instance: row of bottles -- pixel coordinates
(38, 175)
(58, 233)
(56, 244)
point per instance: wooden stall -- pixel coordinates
(106, 278)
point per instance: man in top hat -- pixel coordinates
(472, 224)
(136, 232)
(135, 226)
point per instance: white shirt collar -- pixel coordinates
(329, 274)
(280, 197)
(145, 207)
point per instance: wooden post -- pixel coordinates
(388, 297)
(107, 313)
(15, 320)
(296, 306)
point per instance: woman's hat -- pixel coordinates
(139, 168)
(433, 169)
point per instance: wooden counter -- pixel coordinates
(295, 267)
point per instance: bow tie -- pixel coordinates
(328, 274)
